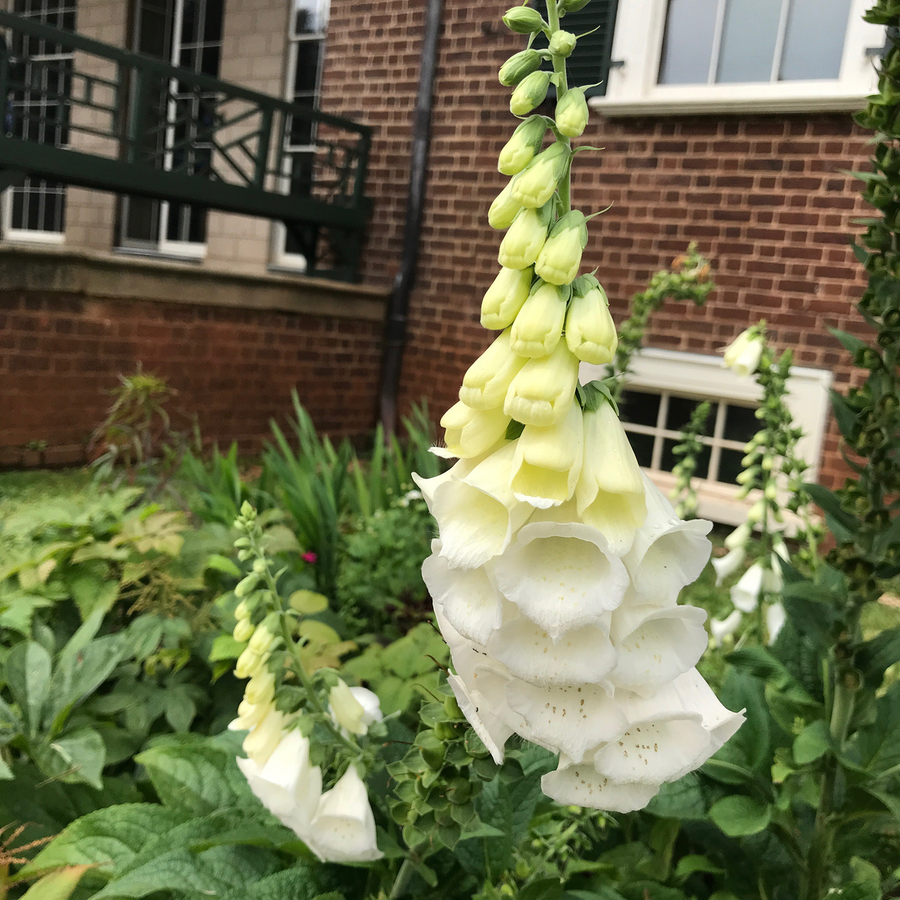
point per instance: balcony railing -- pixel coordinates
(86, 113)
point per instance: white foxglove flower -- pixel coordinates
(775, 619)
(561, 575)
(504, 298)
(460, 469)
(262, 740)
(467, 597)
(728, 564)
(743, 354)
(667, 553)
(610, 493)
(590, 330)
(492, 730)
(478, 514)
(738, 537)
(539, 324)
(470, 432)
(655, 646)
(261, 688)
(353, 708)
(721, 723)
(547, 461)
(249, 715)
(723, 628)
(745, 594)
(343, 828)
(580, 784)
(488, 378)
(287, 785)
(544, 389)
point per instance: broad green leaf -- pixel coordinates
(108, 838)
(180, 708)
(223, 564)
(308, 602)
(542, 889)
(20, 612)
(748, 750)
(75, 756)
(740, 815)
(812, 743)
(92, 589)
(10, 725)
(874, 657)
(879, 743)
(682, 799)
(298, 883)
(195, 776)
(225, 647)
(57, 885)
(692, 863)
(843, 525)
(143, 636)
(845, 415)
(28, 667)
(6, 774)
(851, 343)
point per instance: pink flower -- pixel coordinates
(310, 558)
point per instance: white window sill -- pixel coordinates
(166, 255)
(20, 236)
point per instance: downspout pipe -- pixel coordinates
(398, 306)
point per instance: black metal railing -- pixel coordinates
(82, 112)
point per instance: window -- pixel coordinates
(37, 110)
(664, 389)
(306, 52)
(186, 33)
(733, 55)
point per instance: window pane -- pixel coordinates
(307, 73)
(669, 459)
(740, 423)
(748, 40)
(310, 16)
(639, 408)
(679, 413)
(687, 48)
(814, 42)
(642, 444)
(730, 466)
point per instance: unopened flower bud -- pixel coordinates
(560, 257)
(771, 492)
(572, 113)
(529, 93)
(243, 631)
(247, 663)
(743, 354)
(261, 688)
(562, 43)
(242, 611)
(738, 537)
(488, 378)
(262, 640)
(544, 389)
(572, 5)
(470, 432)
(538, 326)
(537, 183)
(526, 140)
(504, 209)
(526, 236)
(747, 475)
(590, 330)
(518, 66)
(354, 709)
(756, 512)
(504, 298)
(523, 20)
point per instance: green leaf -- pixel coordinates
(92, 589)
(692, 863)
(225, 647)
(108, 838)
(682, 799)
(748, 751)
(28, 667)
(879, 742)
(308, 602)
(845, 415)
(195, 776)
(6, 773)
(57, 885)
(739, 815)
(143, 636)
(851, 344)
(223, 564)
(842, 525)
(298, 884)
(812, 743)
(875, 657)
(78, 755)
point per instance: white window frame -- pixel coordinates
(704, 378)
(632, 87)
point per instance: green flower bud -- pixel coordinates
(526, 236)
(519, 150)
(560, 257)
(504, 209)
(518, 66)
(538, 327)
(568, 6)
(590, 330)
(572, 113)
(537, 183)
(504, 298)
(523, 20)
(530, 93)
(562, 43)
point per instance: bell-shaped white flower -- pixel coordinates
(610, 492)
(467, 597)
(539, 324)
(745, 594)
(544, 390)
(655, 646)
(743, 354)
(486, 382)
(469, 432)
(505, 297)
(249, 715)
(492, 730)
(287, 785)
(460, 469)
(738, 537)
(728, 564)
(775, 620)
(668, 553)
(547, 461)
(521, 244)
(478, 514)
(353, 708)
(580, 784)
(343, 828)
(724, 628)
(590, 330)
(569, 719)
(262, 740)
(721, 723)
(561, 575)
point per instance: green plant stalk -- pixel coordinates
(406, 870)
(559, 69)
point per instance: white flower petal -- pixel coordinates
(492, 730)
(775, 619)
(568, 719)
(580, 784)
(370, 703)
(745, 594)
(468, 597)
(697, 696)
(722, 628)
(728, 564)
(561, 576)
(654, 645)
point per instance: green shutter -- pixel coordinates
(590, 62)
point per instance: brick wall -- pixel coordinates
(762, 195)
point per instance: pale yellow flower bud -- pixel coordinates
(242, 611)
(246, 663)
(743, 354)
(504, 209)
(529, 93)
(536, 185)
(590, 331)
(261, 688)
(560, 257)
(544, 389)
(519, 150)
(538, 326)
(262, 640)
(504, 298)
(572, 113)
(523, 242)
(487, 381)
(243, 631)
(346, 710)
(470, 432)
(265, 737)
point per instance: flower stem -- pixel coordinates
(559, 69)
(406, 871)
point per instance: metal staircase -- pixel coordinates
(90, 114)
